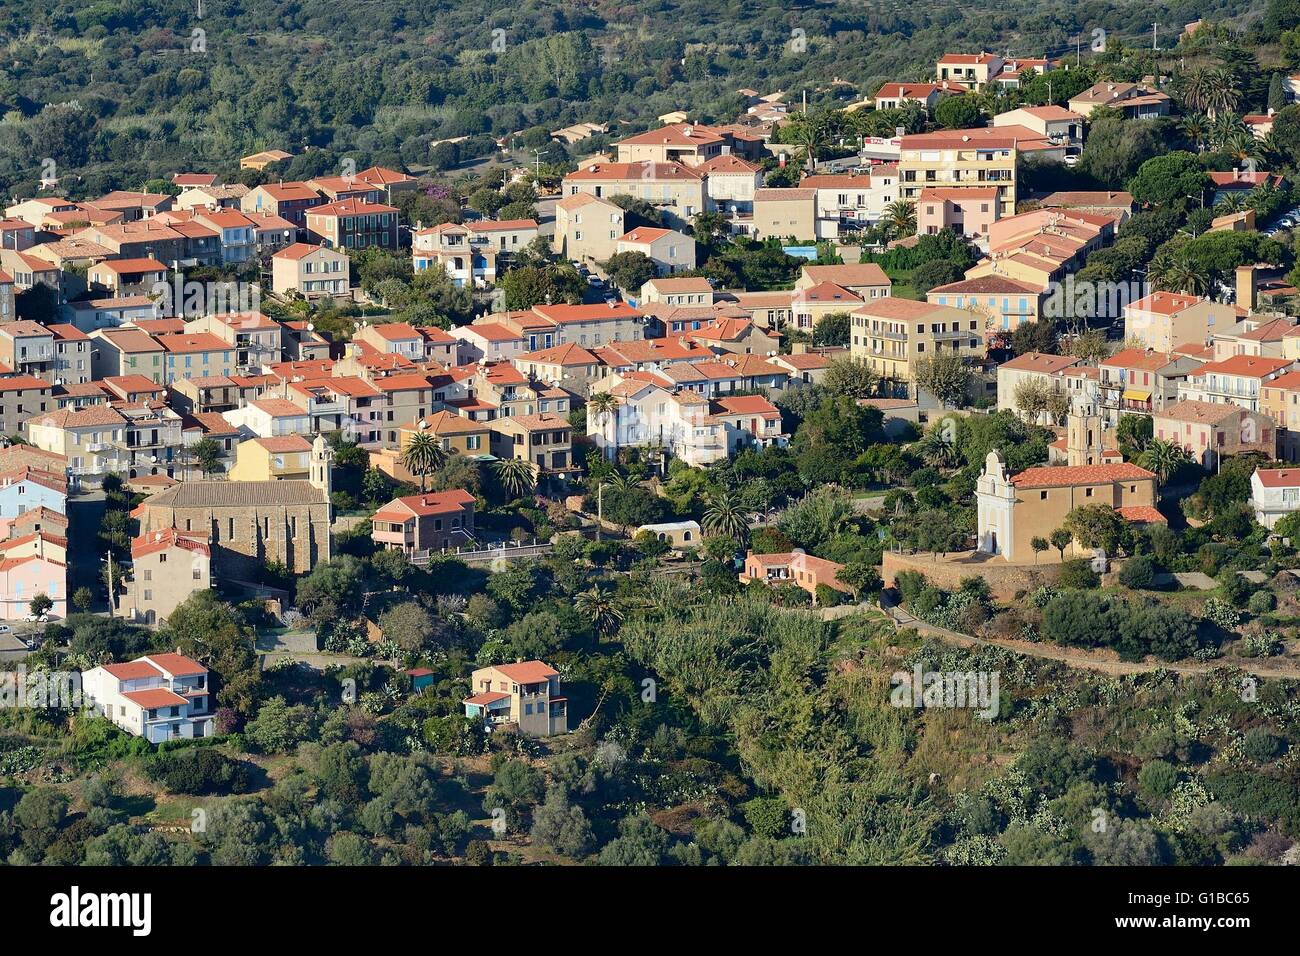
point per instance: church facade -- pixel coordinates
(1012, 510)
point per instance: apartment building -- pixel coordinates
(785, 214)
(92, 439)
(892, 335)
(289, 201)
(1236, 381)
(126, 277)
(352, 224)
(1166, 320)
(1141, 382)
(968, 159)
(676, 190)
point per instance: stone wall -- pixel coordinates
(1004, 579)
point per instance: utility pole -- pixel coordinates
(109, 571)
(600, 509)
(1153, 36)
(1078, 50)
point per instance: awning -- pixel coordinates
(1137, 395)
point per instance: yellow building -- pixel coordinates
(966, 158)
(272, 459)
(891, 335)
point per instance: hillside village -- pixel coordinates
(412, 489)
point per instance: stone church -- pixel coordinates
(251, 522)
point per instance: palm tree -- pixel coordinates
(517, 476)
(1222, 92)
(725, 517)
(599, 605)
(936, 450)
(900, 217)
(1195, 87)
(1180, 277)
(423, 456)
(811, 138)
(602, 404)
(1196, 127)
(1164, 458)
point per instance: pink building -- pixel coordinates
(21, 579)
(967, 211)
(1209, 430)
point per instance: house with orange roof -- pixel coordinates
(427, 522)
(346, 403)
(25, 577)
(290, 201)
(1279, 399)
(1274, 494)
(967, 211)
(543, 439)
(677, 190)
(856, 199)
(419, 345)
(567, 366)
(1012, 510)
(729, 185)
(92, 439)
(794, 567)
(1006, 303)
(1134, 100)
(167, 566)
(160, 697)
(893, 96)
(35, 520)
(260, 160)
(1054, 122)
(270, 417)
(526, 695)
(311, 270)
(586, 227)
(26, 488)
(472, 254)
(1029, 367)
(691, 144)
(337, 188)
(195, 353)
(785, 213)
(1257, 335)
(122, 277)
(272, 459)
(750, 421)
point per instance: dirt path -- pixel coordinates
(1086, 661)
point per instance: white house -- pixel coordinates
(669, 250)
(1274, 494)
(160, 697)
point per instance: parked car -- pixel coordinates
(5, 628)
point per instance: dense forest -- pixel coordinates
(119, 93)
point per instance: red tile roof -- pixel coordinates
(1055, 476)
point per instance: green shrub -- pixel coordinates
(1138, 573)
(1078, 573)
(200, 771)
(1261, 602)
(1158, 778)
(1261, 746)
